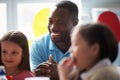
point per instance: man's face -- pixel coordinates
(60, 25)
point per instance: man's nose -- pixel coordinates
(53, 26)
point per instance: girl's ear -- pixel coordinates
(95, 49)
(75, 22)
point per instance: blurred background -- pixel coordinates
(31, 16)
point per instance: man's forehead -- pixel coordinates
(56, 10)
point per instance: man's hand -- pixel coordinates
(48, 68)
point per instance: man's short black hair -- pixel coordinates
(70, 6)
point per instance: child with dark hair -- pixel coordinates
(15, 55)
(93, 50)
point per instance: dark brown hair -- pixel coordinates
(20, 39)
(101, 34)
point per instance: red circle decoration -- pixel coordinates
(111, 19)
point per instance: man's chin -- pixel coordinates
(56, 40)
(59, 41)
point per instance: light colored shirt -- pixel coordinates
(103, 63)
(41, 48)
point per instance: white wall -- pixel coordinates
(87, 6)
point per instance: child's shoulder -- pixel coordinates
(24, 74)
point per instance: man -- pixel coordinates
(53, 46)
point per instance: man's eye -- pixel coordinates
(50, 21)
(60, 23)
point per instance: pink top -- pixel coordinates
(24, 74)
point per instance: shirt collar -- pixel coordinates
(52, 45)
(101, 64)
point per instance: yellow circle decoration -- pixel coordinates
(40, 22)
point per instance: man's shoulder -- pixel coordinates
(42, 40)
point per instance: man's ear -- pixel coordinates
(75, 22)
